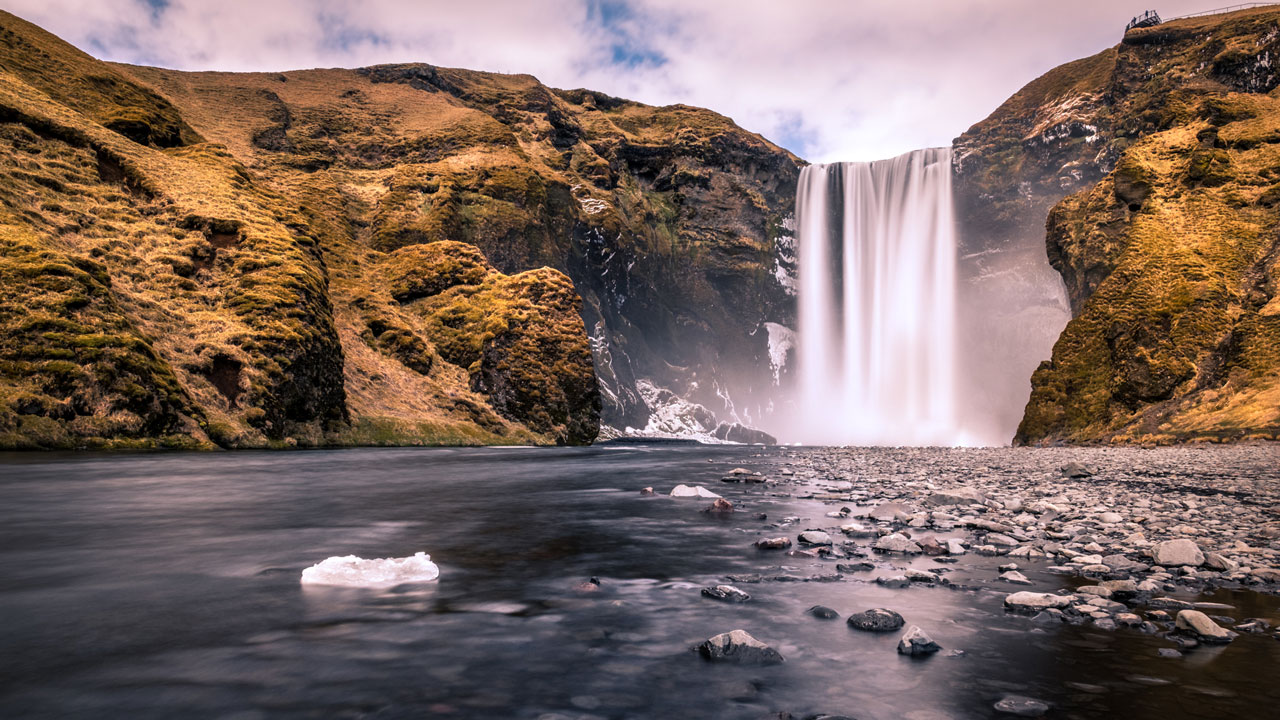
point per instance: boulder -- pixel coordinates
(778, 543)
(1202, 627)
(1027, 601)
(917, 642)
(876, 620)
(815, 537)
(738, 647)
(956, 496)
(1172, 553)
(725, 593)
(822, 612)
(897, 543)
(1076, 470)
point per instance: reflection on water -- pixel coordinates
(161, 586)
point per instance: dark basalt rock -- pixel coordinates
(876, 620)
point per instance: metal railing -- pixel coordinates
(1230, 8)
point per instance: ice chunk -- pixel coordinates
(695, 491)
(351, 571)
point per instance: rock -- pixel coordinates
(1110, 518)
(733, 432)
(692, 491)
(1099, 590)
(1015, 577)
(778, 543)
(1172, 553)
(1202, 627)
(739, 647)
(921, 576)
(893, 581)
(1214, 561)
(1001, 540)
(855, 567)
(815, 537)
(1026, 601)
(931, 546)
(954, 547)
(719, 507)
(891, 511)
(822, 612)
(647, 491)
(1021, 706)
(726, 593)
(916, 642)
(956, 496)
(876, 620)
(897, 543)
(858, 530)
(1168, 653)
(1076, 470)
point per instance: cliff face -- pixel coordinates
(1160, 159)
(669, 221)
(398, 254)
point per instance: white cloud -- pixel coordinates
(832, 80)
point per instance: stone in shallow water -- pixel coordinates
(957, 496)
(778, 543)
(1021, 706)
(1033, 601)
(815, 537)
(1202, 626)
(876, 620)
(917, 642)
(737, 646)
(897, 543)
(726, 593)
(822, 612)
(1015, 577)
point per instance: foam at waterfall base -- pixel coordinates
(352, 571)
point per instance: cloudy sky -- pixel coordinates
(828, 79)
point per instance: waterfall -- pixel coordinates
(877, 288)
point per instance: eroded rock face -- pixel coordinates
(1149, 165)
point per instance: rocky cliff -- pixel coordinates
(1159, 159)
(397, 254)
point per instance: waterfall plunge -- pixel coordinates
(877, 341)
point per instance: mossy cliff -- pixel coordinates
(392, 255)
(1160, 161)
(669, 221)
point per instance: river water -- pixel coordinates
(167, 586)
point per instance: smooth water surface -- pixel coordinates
(167, 586)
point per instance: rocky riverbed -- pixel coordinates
(1139, 541)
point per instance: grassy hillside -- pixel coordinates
(156, 291)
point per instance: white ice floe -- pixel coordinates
(695, 491)
(351, 571)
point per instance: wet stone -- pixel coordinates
(725, 593)
(876, 620)
(822, 612)
(916, 642)
(1021, 706)
(738, 646)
